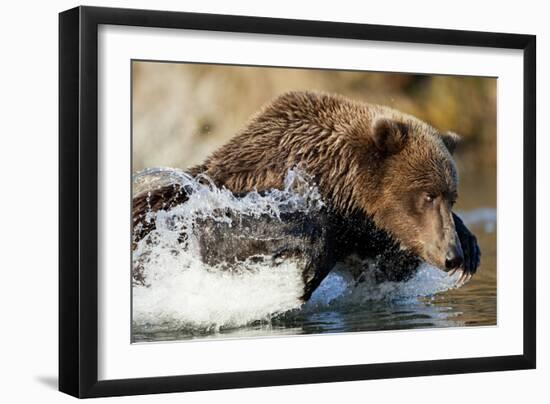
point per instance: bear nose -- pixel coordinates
(453, 259)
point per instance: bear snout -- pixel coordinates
(454, 257)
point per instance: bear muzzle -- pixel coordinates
(454, 257)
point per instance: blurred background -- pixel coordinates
(182, 112)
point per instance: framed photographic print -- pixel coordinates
(251, 201)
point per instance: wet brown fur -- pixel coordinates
(337, 141)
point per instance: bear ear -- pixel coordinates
(450, 140)
(389, 136)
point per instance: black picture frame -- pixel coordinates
(78, 201)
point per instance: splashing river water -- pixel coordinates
(185, 298)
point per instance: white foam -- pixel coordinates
(185, 294)
(340, 289)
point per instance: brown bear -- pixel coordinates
(388, 179)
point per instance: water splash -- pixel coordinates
(183, 293)
(340, 289)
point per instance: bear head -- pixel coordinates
(366, 159)
(416, 187)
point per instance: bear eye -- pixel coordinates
(430, 198)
